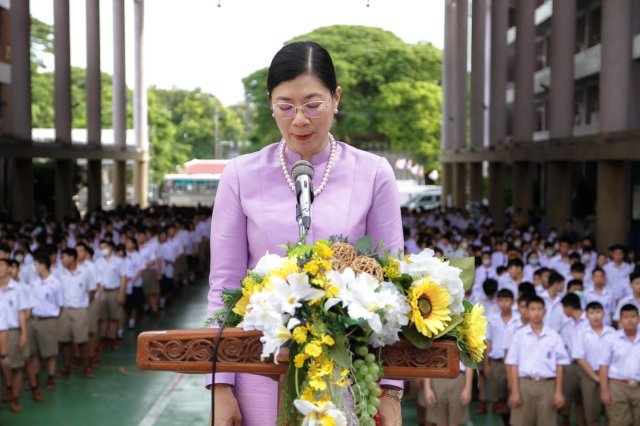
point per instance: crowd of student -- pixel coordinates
(563, 324)
(72, 289)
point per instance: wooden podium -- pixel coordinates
(191, 351)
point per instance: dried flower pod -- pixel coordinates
(369, 265)
(343, 255)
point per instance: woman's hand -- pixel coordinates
(390, 411)
(227, 408)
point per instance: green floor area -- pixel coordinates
(124, 396)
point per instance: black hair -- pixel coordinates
(110, 243)
(85, 246)
(299, 58)
(540, 271)
(575, 255)
(535, 299)
(571, 300)
(500, 269)
(629, 308)
(574, 283)
(43, 258)
(598, 269)
(5, 261)
(69, 251)
(634, 275)
(515, 262)
(595, 306)
(618, 247)
(490, 286)
(578, 267)
(5, 248)
(555, 278)
(505, 293)
(526, 288)
(524, 298)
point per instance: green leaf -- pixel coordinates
(418, 340)
(468, 266)
(455, 321)
(340, 354)
(364, 245)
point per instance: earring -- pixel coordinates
(335, 111)
(273, 114)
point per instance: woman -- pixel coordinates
(255, 208)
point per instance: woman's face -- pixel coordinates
(305, 136)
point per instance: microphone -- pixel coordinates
(302, 173)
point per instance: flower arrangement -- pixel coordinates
(334, 304)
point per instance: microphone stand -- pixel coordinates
(302, 230)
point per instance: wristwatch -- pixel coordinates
(393, 393)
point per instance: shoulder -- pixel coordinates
(253, 160)
(366, 159)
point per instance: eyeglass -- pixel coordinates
(311, 109)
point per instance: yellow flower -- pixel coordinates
(312, 267)
(300, 334)
(474, 331)
(241, 306)
(313, 349)
(307, 394)
(289, 266)
(429, 307)
(392, 270)
(323, 250)
(327, 340)
(318, 384)
(299, 360)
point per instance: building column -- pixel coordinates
(459, 185)
(475, 182)
(94, 122)
(525, 66)
(498, 74)
(62, 99)
(141, 170)
(563, 39)
(447, 185)
(559, 193)
(522, 186)
(119, 103)
(20, 170)
(460, 70)
(612, 204)
(496, 194)
(448, 132)
(478, 76)
(616, 65)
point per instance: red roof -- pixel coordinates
(197, 166)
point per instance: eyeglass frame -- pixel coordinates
(273, 113)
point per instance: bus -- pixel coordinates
(183, 189)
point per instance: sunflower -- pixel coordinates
(429, 307)
(474, 331)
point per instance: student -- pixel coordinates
(577, 287)
(552, 298)
(618, 272)
(537, 281)
(560, 263)
(536, 356)
(448, 399)
(587, 350)
(620, 371)
(43, 327)
(577, 272)
(488, 299)
(574, 321)
(600, 293)
(633, 298)
(514, 276)
(533, 264)
(494, 367)
(150, 274)
(483, 273)
(85, 262)
(112, 284)
(73, 326)
(16, 309)
(133, 267)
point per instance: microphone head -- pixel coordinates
(302, 167)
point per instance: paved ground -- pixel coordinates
(124, 396)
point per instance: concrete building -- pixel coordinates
(18, 147)
(554, 109)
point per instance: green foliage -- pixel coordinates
(468, 266)
(391, 91)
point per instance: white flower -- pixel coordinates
(365, 301)
(395, 315)
(273, 339)
(342, 281)
(268, 263)
(263, 312)
(314, 414)
(297, 288)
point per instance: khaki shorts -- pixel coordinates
(93, 316)
(111, 309)
(203, 251)
(150, 283)
(590, 392)
(625, 404)
(537, 405)
(73, 326)
(499, 389)
(571, 384)
(17, 355)
(180, 269)
(448, 408)
(43, 337)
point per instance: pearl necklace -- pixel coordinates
(327, 171)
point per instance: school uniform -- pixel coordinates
(93, 313)
(48, 300)
(537, 358)
(629, 300)
(135, 294)
(111, 272)
(499, 258)
(490, 304)
(590, 347)
(149, 255)
(561, 266)
(554, 316)
(605, 297)
(169, 252)
(482, 274)
(507, 282)
(73, 325)
(498, 333)
(448, 408)
(12, 302)
(618, 279)
(622, 356)
(571, 383)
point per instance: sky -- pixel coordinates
(195, 43)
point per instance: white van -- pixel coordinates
(426, 200)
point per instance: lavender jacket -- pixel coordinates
(255, 211)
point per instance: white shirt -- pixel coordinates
(111, 272)
(505, 281)
(591, 346)
(496, 333)
(92, 274)
(12, 301)
(606, 300)
(623, 357)
(555, 314)
(76, 287)
(629, 300)
(149, 253)
(132, 265)
(490, 305)
(48, 296)
(169, 252)
(482, 274)
(561, 266)
(498, 258)
(537, 355)
(569, 328)
(618, 279)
